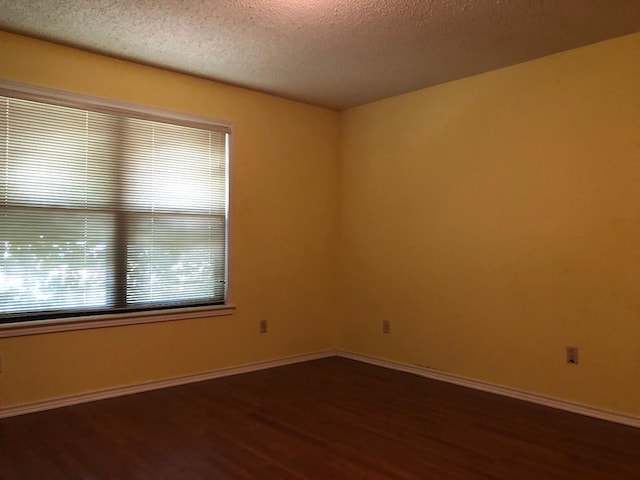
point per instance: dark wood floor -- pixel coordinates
(327, 419)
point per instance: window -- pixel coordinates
(107, 210)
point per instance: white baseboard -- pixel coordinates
(572, 407)
(552, 402)
(68, 400)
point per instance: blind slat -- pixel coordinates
(93, 204)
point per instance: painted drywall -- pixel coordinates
(495, 220)
(283, 233)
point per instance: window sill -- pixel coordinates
(39, 327)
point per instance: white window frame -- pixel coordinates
(69, 99)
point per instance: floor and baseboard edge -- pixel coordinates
(69, 400)
(560, 404)
(565, 405)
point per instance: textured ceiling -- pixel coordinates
(333, 53)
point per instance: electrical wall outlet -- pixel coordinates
(263, 326)
(572, 355)
(386, 326)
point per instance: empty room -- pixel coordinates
(290, 239)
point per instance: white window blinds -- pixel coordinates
(108, 212)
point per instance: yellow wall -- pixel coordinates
(284, 213)
(495, 220)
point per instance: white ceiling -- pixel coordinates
(332, 53)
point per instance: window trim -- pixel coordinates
(89, 321)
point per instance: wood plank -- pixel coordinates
(327, 419)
